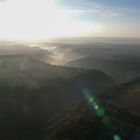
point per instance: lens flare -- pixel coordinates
(117, 137)
(96, 106)
(94, 103)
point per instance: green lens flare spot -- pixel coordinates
(96, 107)
(117, 137)
(100, 112)
(91, 100)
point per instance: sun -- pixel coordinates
(39, 19)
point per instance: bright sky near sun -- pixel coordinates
(42, 19)
(38, 19)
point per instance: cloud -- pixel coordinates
(96, 8)
(90, 7)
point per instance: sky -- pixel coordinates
(44, 19)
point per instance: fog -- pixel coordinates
(62, 51)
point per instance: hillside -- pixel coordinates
(121, 69)
(27, 70)
(82, 123)
(112, 116)
(126, 96)
(35, 98)
(32, 94)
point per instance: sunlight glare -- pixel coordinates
(39, 19)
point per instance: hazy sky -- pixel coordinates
(40, 19)
(116, 17)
